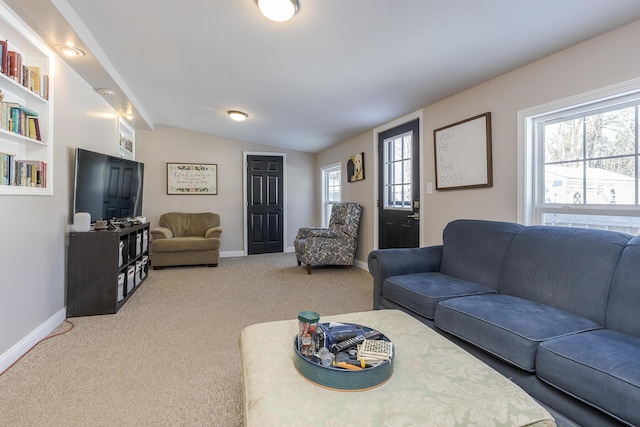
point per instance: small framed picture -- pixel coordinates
(355, 168)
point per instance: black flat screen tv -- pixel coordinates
(106, 186)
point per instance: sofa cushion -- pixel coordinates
(474, 250)
(624, 299)
(189, 224)
(567, 268)
(180, 244)
(421, 292)
(508, 327)
(600, 367)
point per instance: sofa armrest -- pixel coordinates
(161, 233)
(384, 263)
(213, 233)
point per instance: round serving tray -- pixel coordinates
(343, 379)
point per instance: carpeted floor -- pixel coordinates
(170, 356)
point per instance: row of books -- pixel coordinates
(23, 173)
(28, 76)
(19, 119)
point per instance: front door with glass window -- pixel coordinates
(399, 187)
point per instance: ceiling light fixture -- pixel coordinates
(238, 116)
(278, 10)
(70, 50)
(106, 92)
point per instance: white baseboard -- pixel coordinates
(22, 347)
(231, 254)
(290, 249)
(361, 265)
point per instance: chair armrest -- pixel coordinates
(161, 233)
(327, 234)
(384, 263)
(304, 232)
(213, 233)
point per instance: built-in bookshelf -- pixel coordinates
(26, 113)
(127, 141)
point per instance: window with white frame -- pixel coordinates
(583, 163)
(331, 190)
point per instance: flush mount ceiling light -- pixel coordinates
(106, 92)
(278, 10)
(69, 50)
(238, 116)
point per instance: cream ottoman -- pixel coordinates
(434, 383)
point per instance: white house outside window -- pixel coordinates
(583, 165)
(331, 190)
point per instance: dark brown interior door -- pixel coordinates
(399, 187)
(264, 204)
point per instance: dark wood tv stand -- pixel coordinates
(94, 268)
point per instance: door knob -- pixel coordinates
(415, 216)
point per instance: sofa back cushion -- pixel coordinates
(623, 308)
(474, 250)
(567, 268)
(189, 224)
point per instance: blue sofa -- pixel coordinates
(555, 309)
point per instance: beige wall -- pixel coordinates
(359, 191)
(33, 248)
(594, 64)
(165, 144)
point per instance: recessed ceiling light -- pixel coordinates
(278, 10)
(70, 50)
(106, 92)
(238, 116)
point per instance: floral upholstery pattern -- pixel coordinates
(335, 245)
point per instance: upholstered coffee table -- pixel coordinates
(434, 382)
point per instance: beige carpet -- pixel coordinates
(170, 356)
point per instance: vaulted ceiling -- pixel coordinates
(338, 68)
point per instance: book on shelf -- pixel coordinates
(21, 120)
(3, 56)
(30, 173)
(6, 168)
(29, 76)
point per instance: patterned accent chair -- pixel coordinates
(335, 245)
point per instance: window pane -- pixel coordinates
(563, 141)
(624, 224)
(611, 133)
(564, 183)
(611, 181)
(407, 147)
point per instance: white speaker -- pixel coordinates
(81, 221)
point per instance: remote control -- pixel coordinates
(343, 345)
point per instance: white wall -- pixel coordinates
(33, 228)
(165, 144)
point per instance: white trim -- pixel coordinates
(323, 187)
(363, 265)
(526, 130)
(231, 254)
(27, 343)
(245, 154)
(382, 128)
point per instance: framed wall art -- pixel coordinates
(463, 154)
(355, 168)
(192, 178)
